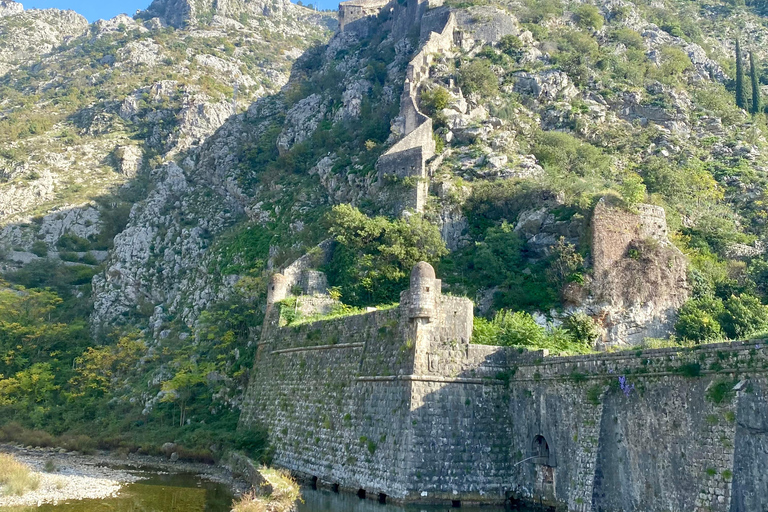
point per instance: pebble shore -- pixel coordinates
(79, 477)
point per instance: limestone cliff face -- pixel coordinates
(133, 101)
(640, 278)
(34, 33)
(182, 13)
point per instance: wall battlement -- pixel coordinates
(398, 402)
(407, 159)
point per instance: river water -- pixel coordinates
(191, 493)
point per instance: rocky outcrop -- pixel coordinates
(640, 278)
(182, 13)
(542, 229)
(34, 32)
(9, 8)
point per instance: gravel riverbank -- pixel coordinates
(67, 476)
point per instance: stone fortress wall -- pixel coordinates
(407, 159)
(397, 404)
(639, 277)
(354, 15)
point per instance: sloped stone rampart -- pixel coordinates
(408, 157)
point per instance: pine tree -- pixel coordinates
(741, 100)
(756, 107)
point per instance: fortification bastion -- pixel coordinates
(397, 404)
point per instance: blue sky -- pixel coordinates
(96, 9)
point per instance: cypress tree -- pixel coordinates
(741, 100)
(756, 107)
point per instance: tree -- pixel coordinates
(181, 388)
(741, 100)
(435, 100)
(632, 190)
(510, 44)
(588, 17)
(478, 77)
(374, 256)
(756, 107)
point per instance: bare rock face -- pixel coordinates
(34, 32)
(639, 276)
(180, 13)
(9, 8)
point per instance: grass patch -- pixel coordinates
(16, 478)
(721, 391)
(689, 370)
(283, 495)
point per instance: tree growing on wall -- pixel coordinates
(741, 100)
(756, 106)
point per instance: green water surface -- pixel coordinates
(191, 493)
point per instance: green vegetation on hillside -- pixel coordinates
(373, 257)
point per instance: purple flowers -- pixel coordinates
(625, 386)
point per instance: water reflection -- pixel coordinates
(190, 493)
(160, 493)
(327, 501)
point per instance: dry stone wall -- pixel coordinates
(398, 402)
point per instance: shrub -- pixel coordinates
(673, 62)
(519, 329)
(565, 153)
(73, 243)
(709, 318)
(588, 17)
(720, 391)
(510, 329)
(629, 38)
(510, 44)
(16, 478)
(40, 248)
(435, 100)
(744, 315)
(632, 190)
(477, 77)
(374, 256)
(566, 264)
(538, 11)
(699, 319)
(582, 328)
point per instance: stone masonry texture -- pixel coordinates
(399, 402)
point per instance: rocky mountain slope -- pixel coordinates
(104, 102)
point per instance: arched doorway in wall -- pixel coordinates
(540, 450)
(542, 457)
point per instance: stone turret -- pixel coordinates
(358, 11)
(425, 291)
(278, 289)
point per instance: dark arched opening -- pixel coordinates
(361, 494)
(314, 482)
(540, 450)
(335, 488)
(382, 498)
(456, 503)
